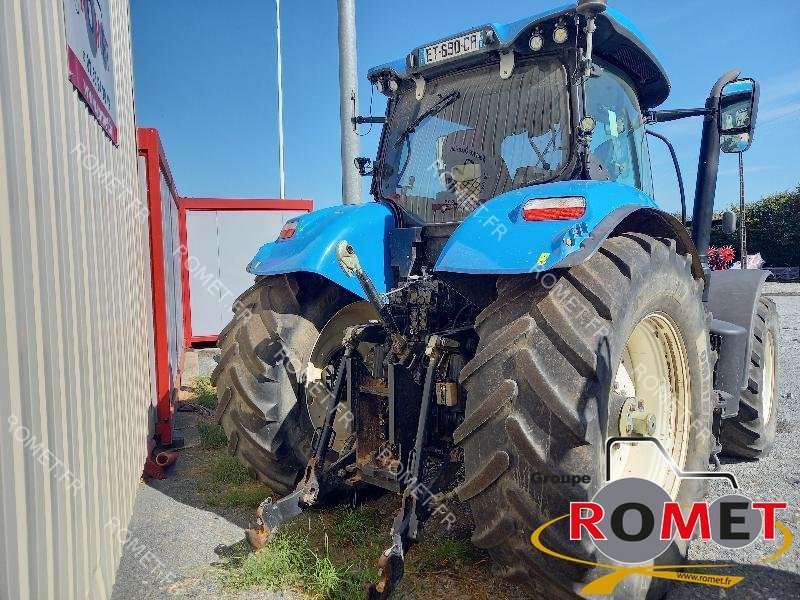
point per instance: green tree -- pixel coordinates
(773, 229)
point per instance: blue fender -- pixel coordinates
(312, 248)
(494, 239)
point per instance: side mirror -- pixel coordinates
(738, 109)
(728, 222)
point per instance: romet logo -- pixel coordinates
(633, 521)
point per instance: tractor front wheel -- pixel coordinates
(278, 358)
(751, 433)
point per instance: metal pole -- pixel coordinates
(348, 84)
(280, 102)
(742, 218)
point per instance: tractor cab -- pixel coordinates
(503, 107)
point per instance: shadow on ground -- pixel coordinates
(193, 521)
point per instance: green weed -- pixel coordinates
(249, 495)
(289, 563)
(354, 524)
(446, 554)
(211, 435)
(205, 394)
(228, 470)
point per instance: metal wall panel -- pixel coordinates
(203, 259)
(151, 339)
(220, 246)
(74, 359)
(172, 277)
(241, 234)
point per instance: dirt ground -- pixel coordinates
(191, 523)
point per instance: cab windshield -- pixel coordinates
(474, 136)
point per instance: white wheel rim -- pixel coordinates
(768, 377)
(654, 370)
(319, 369)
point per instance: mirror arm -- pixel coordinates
(677, 171)
(664, 116)
(707, 170)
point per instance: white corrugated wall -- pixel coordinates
(74, 357)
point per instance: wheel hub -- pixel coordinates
(650, 396)
(634, 420)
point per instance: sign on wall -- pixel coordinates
(90, 58)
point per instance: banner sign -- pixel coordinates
(90, 58)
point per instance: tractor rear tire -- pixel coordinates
(538, 403)
(260, 378)
(751, 433)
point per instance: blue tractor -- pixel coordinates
(511, 299)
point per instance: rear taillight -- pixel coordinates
(288, 230)
(554, 209)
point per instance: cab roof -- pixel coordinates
(617, 40)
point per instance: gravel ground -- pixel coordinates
(207, 359)
(183, 537)
(179, 538)
(773, 288)
(776, 477)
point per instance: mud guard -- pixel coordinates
(312, 247)
(495, 240)
(732, 297)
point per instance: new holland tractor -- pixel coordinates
(511, 299)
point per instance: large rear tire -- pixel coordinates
(751, 433)
(556, 353)
(284, 329)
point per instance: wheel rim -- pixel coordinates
(321, 370)
(768, 376)
(651, 392)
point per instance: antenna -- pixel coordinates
(590, 9)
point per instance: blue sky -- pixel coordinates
(205, 77)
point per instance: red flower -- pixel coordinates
(720, 258)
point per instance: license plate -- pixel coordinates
(452, 48)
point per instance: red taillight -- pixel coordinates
(554, 209)
(288, 230)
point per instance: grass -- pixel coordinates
(447, 555)
(290, 563)
(228, 470)
(249, 495)
(354, 524)
(227, 483)
(211, 435)
(331, 553)
(205, 394)
(452, 552)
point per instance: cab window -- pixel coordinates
(619, 140)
